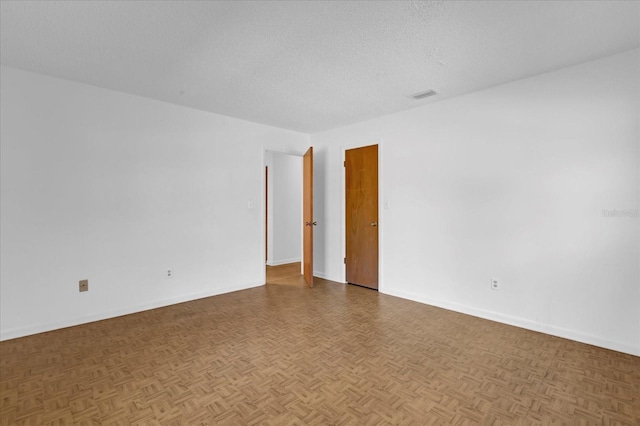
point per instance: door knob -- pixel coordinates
(374, 223)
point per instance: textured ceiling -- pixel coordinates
(308, 66)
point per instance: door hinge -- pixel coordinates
(345, 260)
(344, 164)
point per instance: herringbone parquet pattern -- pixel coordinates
(331, 355)
(286, 275)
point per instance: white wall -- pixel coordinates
(285, 208)
(118, 189)
(510, 182)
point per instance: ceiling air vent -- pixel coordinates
(422, 95)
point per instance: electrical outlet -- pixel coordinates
(83, 285)
(169, 273)
(495, 284)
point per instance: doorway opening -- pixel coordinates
(283, 217)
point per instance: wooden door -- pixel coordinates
(307, 216)
(361, 180)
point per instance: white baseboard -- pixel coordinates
(480, 313)
(326, 277)
(283, 261)
(41, 328)
(520, 322)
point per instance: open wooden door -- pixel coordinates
(307, 216)
(361, 181)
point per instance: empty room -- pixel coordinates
(319, 212)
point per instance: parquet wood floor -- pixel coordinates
(288, 274)
(330, 355)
